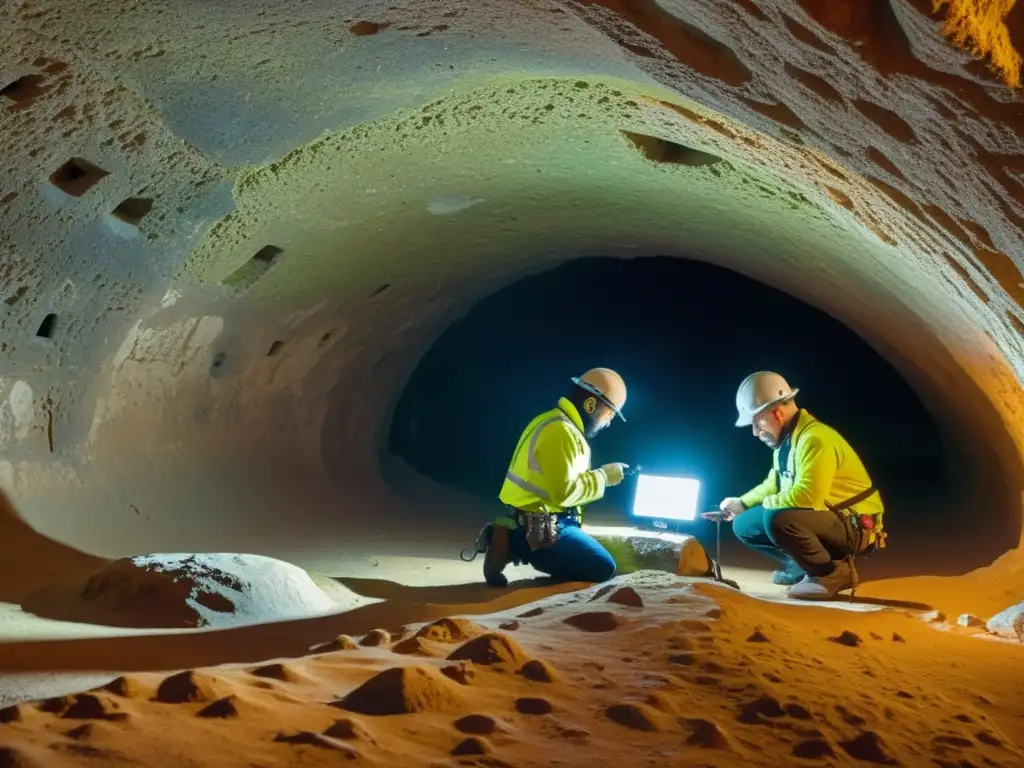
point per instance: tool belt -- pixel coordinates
(541, 528)
(865, 531)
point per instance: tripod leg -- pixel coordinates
(718, 550)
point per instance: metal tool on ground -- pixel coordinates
(716, 563)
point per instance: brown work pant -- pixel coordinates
(814, 539)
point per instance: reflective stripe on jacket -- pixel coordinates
(821, 468)
(550, 469)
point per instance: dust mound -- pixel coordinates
(310, 739)
(474, 745)
(189, 686)
(126, 687)
(83, 731)
(349, 729)
(639, 717)
(222, 708)
(86, 706)
(185, 590)
(480, 725)
(402, 690)
(462, 673)
(450, 630)
(529, 705)
(849, 638)
(375, 637)
(492, 648)
(704, 733)
(798, 711)
(55, 705)
(756, 711)
(538, 671)
(277, 671)
(414, 646)
(868, 747)
(813, 749)
(340, 643)
(757, 636)
(83, 706)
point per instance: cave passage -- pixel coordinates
(683, 333)
(221, 268)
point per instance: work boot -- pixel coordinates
(497, 556)
(828, 586)
(790, 574)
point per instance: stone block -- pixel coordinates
(635, 549)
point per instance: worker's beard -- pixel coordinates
(768, 440)
(591, 426)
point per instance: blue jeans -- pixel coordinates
(575, 556)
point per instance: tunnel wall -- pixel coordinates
(349, 184)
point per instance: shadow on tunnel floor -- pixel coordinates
(905, 605)
(482, 594)
(449, 594)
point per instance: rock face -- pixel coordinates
(639, 550)
(180, 590)
(1008, 623)
(217, 239)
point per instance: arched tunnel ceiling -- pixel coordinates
(374, 168)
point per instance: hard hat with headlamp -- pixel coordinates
(606, 385)
(759, 392)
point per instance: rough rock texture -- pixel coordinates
(214, 590)
(671, 683)
(639, 550)
(220, 230)
(1009, 623)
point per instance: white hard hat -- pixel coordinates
(607, 385)
(759, 392)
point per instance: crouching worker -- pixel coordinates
(818, 508)
(549, 479)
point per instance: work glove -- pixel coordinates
(614, 472)
(731, 507)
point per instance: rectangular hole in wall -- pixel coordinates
(133, 210)
(275, 348)
(249, 273)
(77, 176)
(47, 327)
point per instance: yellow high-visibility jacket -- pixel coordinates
(821, 468)
(550, 469)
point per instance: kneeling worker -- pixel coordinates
(817, 508)
(549, 479)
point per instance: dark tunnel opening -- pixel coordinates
(684, 333)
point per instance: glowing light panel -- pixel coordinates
(667, 498)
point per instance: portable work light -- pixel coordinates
(661, 500)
